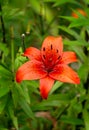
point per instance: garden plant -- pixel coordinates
(44, 64)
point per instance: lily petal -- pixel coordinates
(45, 86)
(30, 70)
(68, 57)
(64, 73)
(51, 50)
(33, 53)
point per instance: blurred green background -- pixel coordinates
(21, 106)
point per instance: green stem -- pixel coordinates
(12, 55)
(23, 44)
(3, 26)
(61, 113)
(3, 32)
(12, 49)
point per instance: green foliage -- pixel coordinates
(21, 107)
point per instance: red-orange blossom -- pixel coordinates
(48, 64)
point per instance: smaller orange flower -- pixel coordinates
(82, 12)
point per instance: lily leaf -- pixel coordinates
(4, 90)
(26, 108)
(56, 86)
(3, 102)
(13, 117)
(86, 118)
(72, 120)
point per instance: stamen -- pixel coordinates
(59, 57)
(44, 57)
(57, 50)
(44, 49)
(51, 47)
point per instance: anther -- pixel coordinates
(57, 50)
(44, 57)
(51, 47)
(59, 57)
(44, 49)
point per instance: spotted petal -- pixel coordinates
(51, 50)
(45, 86)
(64, 73)
(33, 53)
(30, 70)
(68, 57)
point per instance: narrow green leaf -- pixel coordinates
(87, 2)
(45, 105)
(26, 108)
(79, 42)
(72, 120)
(60, 2)
(26, 92)
(69, 31)
(56, 86)
(86, 118)
(53, 101)
(4, 48)
(74, 43)
(4, 71)
(13, 117)
(23, 91)
(79, 22)
(3, 128)
(79, 52)
(15, 95)
(61, 97)
(3, 102)
(4, 90)
(68, 18)
(83, 71)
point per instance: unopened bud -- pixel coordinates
(23, 35)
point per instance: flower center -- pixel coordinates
(50, 57)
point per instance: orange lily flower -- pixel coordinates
(48, 64)
(82, 12)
